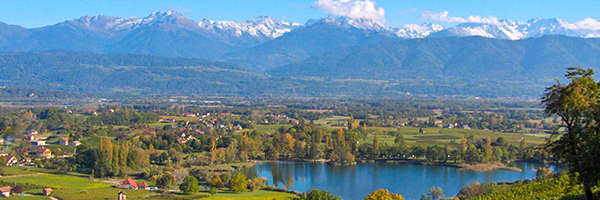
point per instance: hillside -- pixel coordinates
(465, 62)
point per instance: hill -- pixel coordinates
(456, 63)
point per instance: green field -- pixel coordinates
(58, 181)
(443, 135)
(255, 195)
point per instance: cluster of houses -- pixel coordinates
(455, 125)
(37, 149)
(41, 141)
(7, 191)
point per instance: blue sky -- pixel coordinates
(37, 13)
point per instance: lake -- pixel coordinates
(355, 182)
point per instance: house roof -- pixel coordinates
(129, 181)
(143, 184)
(48, 189)
(5, 189)
(9, 158)
(65, 139)
(41, 150)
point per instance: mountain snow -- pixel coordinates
(262, 26)
(265, 28)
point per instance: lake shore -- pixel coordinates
(477, 167)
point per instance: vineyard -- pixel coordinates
(562, 187)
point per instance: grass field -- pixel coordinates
(255, 195)
(58, 181)
(443, 135)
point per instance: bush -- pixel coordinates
(256, 183)
(213, 190)
(238, 183)
(313, 194)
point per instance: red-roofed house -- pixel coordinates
(42, 152)
(11, 160)
(143, 185)
(5, 191)
(64, 141)
(128, 184)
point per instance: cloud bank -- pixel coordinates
(351, 8)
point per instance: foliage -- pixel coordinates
(561, 187)
(238, 183)
(216, 182)
(383, 194)
(315, 194)
(577, 105)
(189, 185)
(436, 193)
(256, 183)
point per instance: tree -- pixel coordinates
(400, 141)
(577, 104)
(436, 193)
(383, 194)
(164, 180)
(256, 183)
(189, 185)
(213, 151)
(375, 146)
(216, 182)
(488, 151)
(314, 194)
(542, 173)
(238, 183)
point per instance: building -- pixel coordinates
(42, 152)
(5, 191)
(122, 195)
(128, 184)
(47, 191)
(143, 186)
(4, 153)
(64, 141)
(11, 160)
(32, 132)
(75, 143)
(38, 142)
(30, 137)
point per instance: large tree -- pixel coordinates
(577, 104)
(189, 185)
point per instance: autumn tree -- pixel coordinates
(383, 194)
(238, 183)
(577, 105)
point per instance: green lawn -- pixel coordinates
(58, 181)
(99, 193)
(255, 195)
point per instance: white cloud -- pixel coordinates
(351, 8)
(445, 17)
(585, 24)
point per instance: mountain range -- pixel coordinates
(259, 44)
(333, 56)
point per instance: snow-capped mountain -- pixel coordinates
(346, 22)
(516, 30)
(262, 26)
(410, 31)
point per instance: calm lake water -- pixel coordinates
(355, 182)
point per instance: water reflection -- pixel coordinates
(355, 182)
